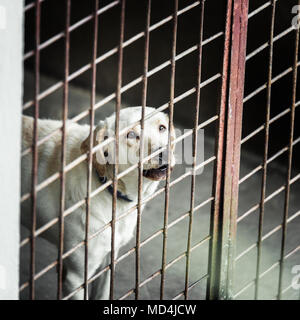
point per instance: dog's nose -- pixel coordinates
(163, 157)
(160, 158)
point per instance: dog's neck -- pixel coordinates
(127, 187)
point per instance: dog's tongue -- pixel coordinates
(156, 174)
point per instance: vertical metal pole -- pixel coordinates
(35, 148)
(195, 140)
(226, 176)
(141, 153)
(167, 186)
(290, 159)
(214, 254)
(264, 175)
(63, 152)
(91, 143)
(116, 158)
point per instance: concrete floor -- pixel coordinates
(152, 220)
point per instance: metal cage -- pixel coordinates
(224, 200)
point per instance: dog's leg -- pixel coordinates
(101, 286)
(73, 279)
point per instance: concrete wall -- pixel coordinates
(11, 48)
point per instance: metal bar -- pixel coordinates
(116, 153)
(91, 144)
(31, 5)
(221, 280)
(63, 153)
(191, 286)
(194, 152)
(34, 180)
(233, 139)
(259, 9)
(168, 178)
(266, 150)
(290, 159)
(141, 150)
(212, 288)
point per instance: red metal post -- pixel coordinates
(226, 176)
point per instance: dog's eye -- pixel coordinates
(162, 128)
(132, 135)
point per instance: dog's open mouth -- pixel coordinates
(157, 173)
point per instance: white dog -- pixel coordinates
(48, 199)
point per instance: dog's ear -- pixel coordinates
(99, 157)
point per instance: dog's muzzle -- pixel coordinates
(160, 172)
(156, 174)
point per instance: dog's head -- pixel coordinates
(156, 133)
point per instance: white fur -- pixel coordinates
(48, 199)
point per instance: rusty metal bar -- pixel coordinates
(232, 158)
(266, 151)
(290, 159)
(35, 149)
(224, 213)
(194, 152)
(191, 286)
(116, 152)
(91, 144)
(211, 292)
(141, 151)
(168, 178)
(63, 153)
